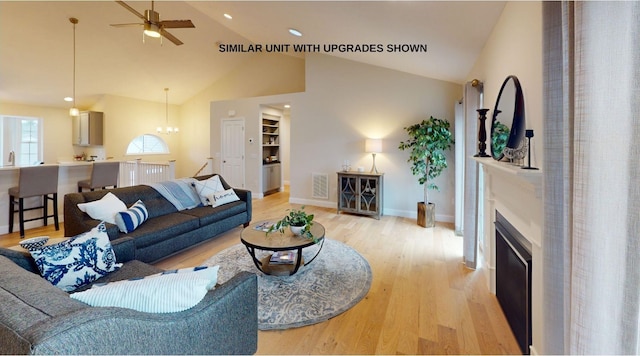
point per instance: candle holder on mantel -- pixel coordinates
(482, 134)
(528, 134)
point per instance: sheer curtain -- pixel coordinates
(591, 246)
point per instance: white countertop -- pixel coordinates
(60, 163)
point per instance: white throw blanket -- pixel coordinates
(179, 192)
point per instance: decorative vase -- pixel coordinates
(297, 230)
(426, 214)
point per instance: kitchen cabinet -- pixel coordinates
(271, 178)
(88, 129)
(360, 193)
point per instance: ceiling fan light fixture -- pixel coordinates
(295, 32)
(151, 30)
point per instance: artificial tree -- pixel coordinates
(427, 143)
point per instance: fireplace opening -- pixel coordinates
(513, 279)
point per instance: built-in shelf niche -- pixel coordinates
(270, 138)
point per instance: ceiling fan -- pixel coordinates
(153, 27)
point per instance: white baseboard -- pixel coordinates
(391, 212)
(314, 202)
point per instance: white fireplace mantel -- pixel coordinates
(528, 178)
(517, 194)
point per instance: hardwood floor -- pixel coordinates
(422, 299)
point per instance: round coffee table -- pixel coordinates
(254, 237)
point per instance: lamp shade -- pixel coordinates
(373, 145)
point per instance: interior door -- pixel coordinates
(233, 152)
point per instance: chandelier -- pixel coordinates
(169, 129)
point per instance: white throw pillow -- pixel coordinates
(161, 293)
(104, 209)
(77, 261)
(223, 197)
(206, 187)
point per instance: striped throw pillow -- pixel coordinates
(159, 293)
(133, 217)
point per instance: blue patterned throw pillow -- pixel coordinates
(77, 261)
(131, 218)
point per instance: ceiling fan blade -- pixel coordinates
(132, 10)
(177, 24)
(170, 37)
(126, 24)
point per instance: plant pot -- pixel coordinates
(297, 230)
(426, 214)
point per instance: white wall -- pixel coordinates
(248, 109)
(266, 74)
(346, 102)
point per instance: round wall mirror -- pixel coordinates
(508, 123)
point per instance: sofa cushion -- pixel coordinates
(167, 292)
(209, 215)
(133, 217)
(129, 270)
(104, 209)
(162, 228)
(77, 261)
(27, 299)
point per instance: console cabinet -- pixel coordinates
(360, 193)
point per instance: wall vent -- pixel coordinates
(320, 182)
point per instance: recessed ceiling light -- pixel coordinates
(295, 32)
(287, 106)
(228, 16)
(68, 99)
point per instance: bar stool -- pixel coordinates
(103, 174)
(34, 181)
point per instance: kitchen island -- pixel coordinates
(69, 175)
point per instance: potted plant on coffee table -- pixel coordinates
(298, 221)
(426, 145)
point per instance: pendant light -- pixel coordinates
(166, 111)
(74, 110)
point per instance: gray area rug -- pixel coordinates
(334, 282)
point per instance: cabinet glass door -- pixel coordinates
(348, 192)
(368, 194)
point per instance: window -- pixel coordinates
(147, 144)
(23, 136)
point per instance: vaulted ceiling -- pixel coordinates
(36, 43)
